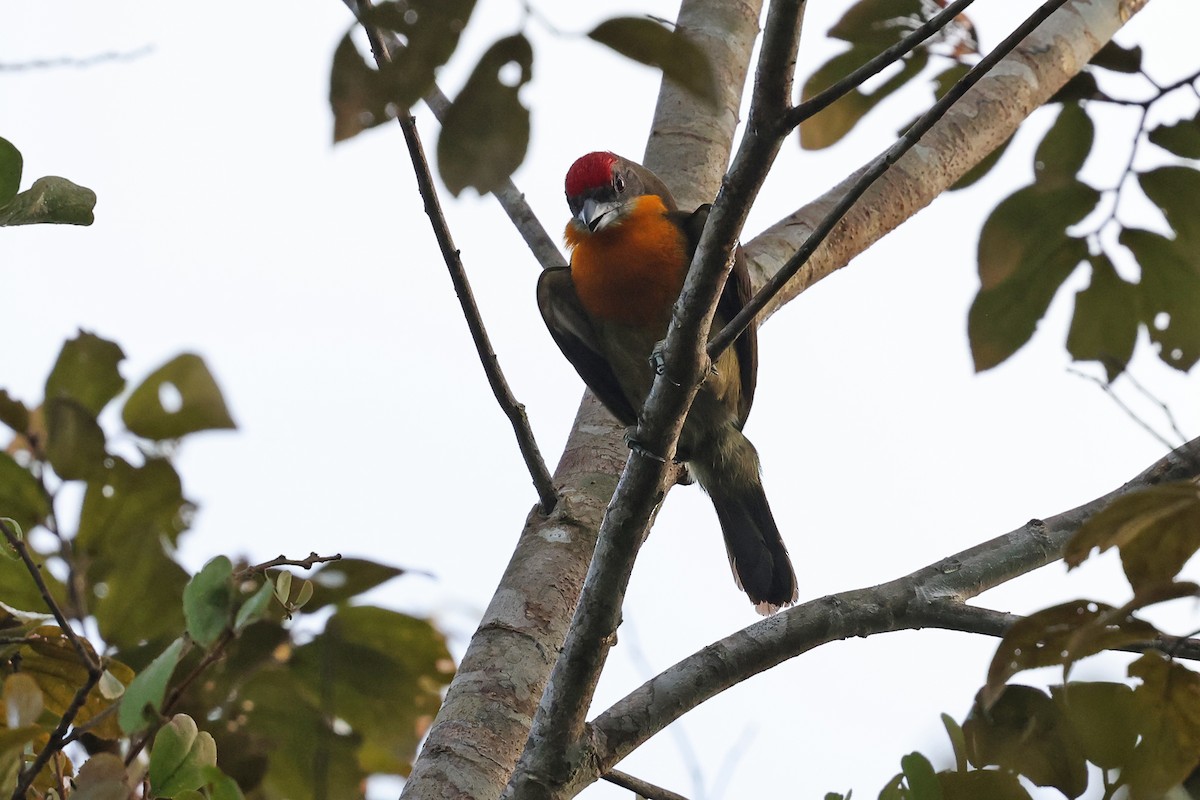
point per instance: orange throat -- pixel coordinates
(632, 270)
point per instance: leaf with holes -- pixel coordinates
(1157, 530)
(1025, 254)
(178, 398)
(86, 371)
(1167, 704)
(486, 130)
(1105, 323)
(1061, 634)
(648, 42)
(1168, 294)
(427, 32)
(1026, 732)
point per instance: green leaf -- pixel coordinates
(283, 587)
(981, 785)
(86, 372)
(1026, 732)
(1118, 59)
(10, 171)
(255, 608)
(74, 440)
(922, 780)
(832, 123)
(362, 97)
(188, 754)
(1103, 718)
(13, 413)
(50, 200)
(223, 786)
(53, 662)
(648, 42)
(1168, 294)
(957, 741)
(876, 23)
(1157, 530)
(483, 156)
(1168, 707)
(148, 689)
(1061, 634)
(341, 580)
(1182, 138)
(1025, 254)
(21, 496)
(1081, 86)
(208, 601)
(1105, 324)
(191, 392)
(1065, 146)
(1176, 190)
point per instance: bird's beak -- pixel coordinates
(596, 215)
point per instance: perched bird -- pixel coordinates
(630, 251)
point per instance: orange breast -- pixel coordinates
(631, 271)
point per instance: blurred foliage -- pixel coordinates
(48, 200)
(1037, 238)
(485, 131)
(202, 672)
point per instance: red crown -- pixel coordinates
(590, 172)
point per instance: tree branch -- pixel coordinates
(515, 411)
(917, 600)
(640, 787)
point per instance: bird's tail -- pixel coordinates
(729, 472)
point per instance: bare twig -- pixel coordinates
(640, 787)
(933, 596)
(515, 411)
(880, 165)
(80, 63)
(1107, 388)
(283, 561)
(827, 97)
(85, 654)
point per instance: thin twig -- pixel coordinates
(640, 787)
(80, 63)
(873, 172)
(283, 561)
(827, 97)
(1107, 388)
(85, 654)
(515, 411)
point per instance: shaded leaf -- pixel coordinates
(23, 701)
(223, 786)
(1105, 323)
(648, 42)
(1081, 86)
(1157, 530)
(196, 405)
(53, 662)
(86, 371)
(1168, 707)
(483, 156)
(74, 440)
(1182, 138)
(1026, 732)
(148, 689)
(21, 496)
(340, 580)
(1061, 634)
(957, 741)
(102, 777)
(1168, 294)
(981, 785)
(13, 412)
(876, 23)
(362, 97)
(1065, 147)
(1176, 191)
(50, 200)
(10, 171)
(921, 779)
(832, 123)
(1103, 718)
(255, 608)
(208, 601)
(1118, 59)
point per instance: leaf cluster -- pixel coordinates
(202, 671)
(48, 200)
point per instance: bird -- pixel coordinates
(609, 310)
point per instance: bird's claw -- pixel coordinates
(658, 360)
(633, 444)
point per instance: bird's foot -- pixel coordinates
(631, 441)
(658, 361)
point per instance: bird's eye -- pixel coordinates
(619, 184)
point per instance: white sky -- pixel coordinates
(307, 277)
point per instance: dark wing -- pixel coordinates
(573, 333)
(733, 297)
